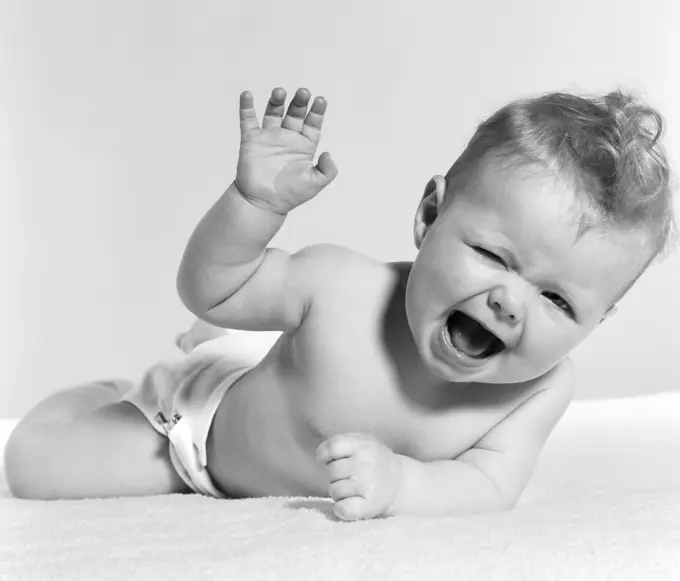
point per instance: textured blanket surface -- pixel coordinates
(604, 503)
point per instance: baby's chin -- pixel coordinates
(444, 370)
(512, 373)
(502, 368)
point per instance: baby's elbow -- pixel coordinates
(511, 498)
(189, 293)
(505, 498)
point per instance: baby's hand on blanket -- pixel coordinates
(364, 473)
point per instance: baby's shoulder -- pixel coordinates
(336, 270)
(339, 262)
(330, 254)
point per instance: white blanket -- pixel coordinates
(604, 504)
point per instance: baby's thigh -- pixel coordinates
(107, 451)
(78, 399)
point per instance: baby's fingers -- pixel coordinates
(326, 170)
(352, 508)
(314, 120)
(341, 445)
(295, 116)
(246, 112)
(343, 489)
(273, 115)
(340, 469)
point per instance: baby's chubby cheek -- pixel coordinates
(536, 356)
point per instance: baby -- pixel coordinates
(422, 388)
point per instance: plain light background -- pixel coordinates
(119, 129)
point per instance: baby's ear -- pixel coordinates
(429, 207)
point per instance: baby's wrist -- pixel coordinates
(256, 202)
(400, 488)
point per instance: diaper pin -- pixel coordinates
(167, 424)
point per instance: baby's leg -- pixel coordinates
(83, 442)
(200, 332)
(76, 400)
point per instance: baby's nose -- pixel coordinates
(506, 304)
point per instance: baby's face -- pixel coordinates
(502, 289)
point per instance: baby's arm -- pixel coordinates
(368, 479)
(494, 473)
(228, 276)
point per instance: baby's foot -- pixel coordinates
(200, 332)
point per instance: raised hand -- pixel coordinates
(276, 168)
(364, 474)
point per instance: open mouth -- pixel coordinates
(471, 338)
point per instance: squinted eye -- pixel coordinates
(490, 255)
(559, 302)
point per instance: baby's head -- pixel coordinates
(551, 213)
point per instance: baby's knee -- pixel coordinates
(20, 454)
